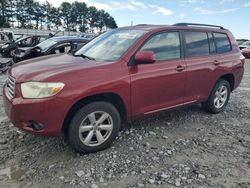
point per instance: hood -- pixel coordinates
(51, 66)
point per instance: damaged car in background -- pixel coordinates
(8, 49)
(55, 45)
(244, 45)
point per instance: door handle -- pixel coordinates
(216, 62)
(180, 68)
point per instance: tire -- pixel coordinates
(217, 102)
(87, 123)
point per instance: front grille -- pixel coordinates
(10, 83)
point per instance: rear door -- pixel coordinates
(204, 63)
(160, 85)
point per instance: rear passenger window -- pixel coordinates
(196, 43)
(166, 46)
(222, 43)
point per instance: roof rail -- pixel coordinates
(196, 24)
(141, 24)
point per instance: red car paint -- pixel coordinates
(246, 52)
(144, 88)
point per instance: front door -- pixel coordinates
(160, 85)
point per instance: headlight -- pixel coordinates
(38, 90)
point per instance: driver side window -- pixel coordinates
(27, 41)
(166, 46)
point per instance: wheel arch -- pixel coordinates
(230, 78)
(112, 98)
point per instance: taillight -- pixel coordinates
(242, 59)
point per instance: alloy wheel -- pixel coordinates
(220, 96)
(96, 128)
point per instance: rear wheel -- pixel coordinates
(219, 97)
(94, 127)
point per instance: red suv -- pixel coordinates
(120, 75)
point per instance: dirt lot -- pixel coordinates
(181, 148)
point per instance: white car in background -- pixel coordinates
(245, 45)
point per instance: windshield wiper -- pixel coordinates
(86, 57)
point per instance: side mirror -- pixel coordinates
(145, 57)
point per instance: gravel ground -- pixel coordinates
(182, 148)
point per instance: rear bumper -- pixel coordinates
(47, 112)
(238, 75)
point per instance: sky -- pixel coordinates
(231, 14)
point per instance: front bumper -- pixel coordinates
(48, 112)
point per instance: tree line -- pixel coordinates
(71, 16)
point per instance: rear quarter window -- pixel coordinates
(222, 42)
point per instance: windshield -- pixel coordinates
(18, 40)
(45, 45)
(110, 46)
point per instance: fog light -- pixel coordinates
(36, 125)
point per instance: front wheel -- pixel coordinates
(219, 97)
(94, 127)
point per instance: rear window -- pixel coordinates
(196, 43)
(222, 43)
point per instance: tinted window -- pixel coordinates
(166, 46)
(222, 43)
(196, 44)
(211, 43)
